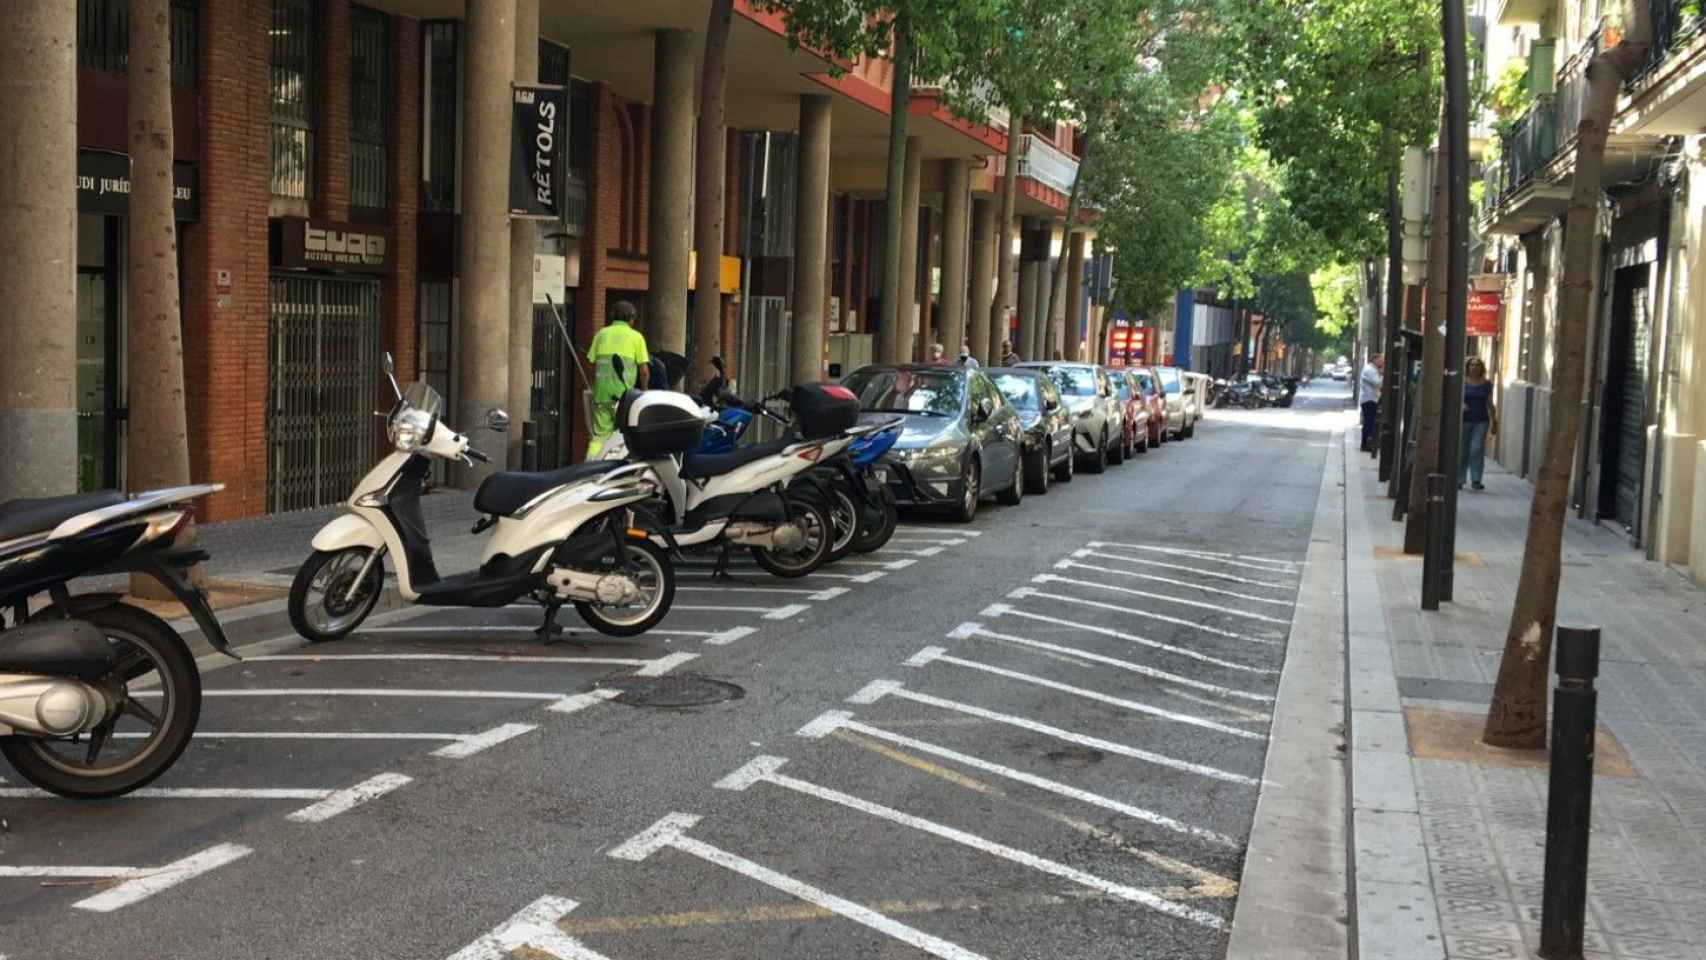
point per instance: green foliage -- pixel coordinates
(1510, 94)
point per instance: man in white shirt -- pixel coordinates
(1368, 397)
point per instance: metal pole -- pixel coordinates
(1435, 542)
(1569, 801)
(1456, 272)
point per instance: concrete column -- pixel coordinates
(523, 245)
(951, 322)
(482, 339)
(38, 247)
(982, 279)
(668, 212)
(1074, 293)
(811, 241)
(901, 345)
(1029, 269)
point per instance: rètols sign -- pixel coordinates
(305, 244)
(538, 151)
(103, 185)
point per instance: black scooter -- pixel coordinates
(97, 697)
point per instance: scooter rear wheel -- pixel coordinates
(819, 538)
(319, 609)
(878, 523)
(651, 564)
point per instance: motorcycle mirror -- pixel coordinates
(497, 420)
(391, 374)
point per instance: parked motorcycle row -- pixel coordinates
(98, 697)
(1255, 390)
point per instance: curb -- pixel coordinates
(1293, 896)
(1396, 913)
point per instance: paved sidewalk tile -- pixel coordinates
(1480, 825)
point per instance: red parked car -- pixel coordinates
(1149, 385)
(1135, 413)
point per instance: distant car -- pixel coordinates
(1339, 371)
(1136, 410)
(1047, 424)
(1150, 383)
(1181, 405)
(1096, 418)
(1201, 387)
(961, 440)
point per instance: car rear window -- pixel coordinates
(939, 392)
(1021, 392)
(1074, 381)
(1170, 380)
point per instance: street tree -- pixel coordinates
(1516, 717)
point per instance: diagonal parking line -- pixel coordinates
(1023, 592)
(968, 630)
(937, 654)
(453, 657)
(938, 541)
(834, 720)
(534, 929)
(827, 593)
(671, 832)
(769, 613)
(1217, 608)
(1230, 578)
(890, 565)
(1264, 564)
(878, 689)
(186, 793)
(890, 551)
(342, 801)
(709, 636)
(135, 883)
(952, 531)
(765, 769)
(1071, 564)
(1003, 610)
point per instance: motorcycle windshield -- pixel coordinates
(423, 397)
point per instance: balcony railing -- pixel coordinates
(1047, 164)
(1675, 22)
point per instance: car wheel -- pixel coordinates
(1036, 470)
(971, 487)
(1098, 461)
(1189, 431)
(1064, 472)
(1015, 491)
(1116, 453)
(1144, 446)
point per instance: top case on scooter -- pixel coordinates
(823, 409)
(657, 423)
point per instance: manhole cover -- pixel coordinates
(1074, 756)
(674, 690)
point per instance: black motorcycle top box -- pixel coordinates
(823, 409)
(658, 423)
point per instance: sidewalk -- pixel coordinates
(1449, 834)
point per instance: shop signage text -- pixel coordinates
(1127, 345)
(308, 244)
(538, 151)
(1483, 314)
(103, 186)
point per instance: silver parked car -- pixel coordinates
(961, 439)
(1182, 409)
(1090, 397)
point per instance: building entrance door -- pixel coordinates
(322, 389)
(100, 352)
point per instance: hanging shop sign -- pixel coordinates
(1483, 317)
(103, 186)
(325, 245)
(538, 167)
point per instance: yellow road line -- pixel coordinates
(801, 912)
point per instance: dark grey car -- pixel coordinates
(1048, 425)
(961, 439)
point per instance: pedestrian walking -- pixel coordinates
(1008, 357)
(1368, 390)
(620, 363)
(937, 354)
(1480, 421)
(966, 359)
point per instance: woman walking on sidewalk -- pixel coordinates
(1479, 421)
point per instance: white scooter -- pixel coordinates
(577, 535)
(741, 497)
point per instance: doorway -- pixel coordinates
(101, 331)
(1623, 416)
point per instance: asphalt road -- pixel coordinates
(1039, 735)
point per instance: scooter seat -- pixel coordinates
(698, 466)
(21, 517)
(502, 494)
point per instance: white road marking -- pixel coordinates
(581, 701)
(706, 635)
(1023, 592)
(459, 658)
(1216, 607)
(787, 612)
(728, 636)
(664, 664)
(766, 611)
(890, 565)
(469, 745)
(372, 692)
(349, 798)
(533, 928)
(828, 593)
(1069, 564)
(877, 689)
(930, 655)
(64, 873)
(1215, 574)
(939, 541)
(149, 882)
(955, 531)
(1003, 610)
(1230, 559)
(968, 630)
(299, 735)
(814, 575)
(926, 552)
(185, 793)
(834, 720)
(671, 831)
(765, 770)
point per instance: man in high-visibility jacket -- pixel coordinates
(619, 359)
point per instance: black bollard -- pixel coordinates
(529, 446)
(1401, 502)
(1569, 800)
(1433, 544)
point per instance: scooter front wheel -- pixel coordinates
(321, 606)
(655, 577)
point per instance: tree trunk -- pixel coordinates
(1057, 280)
(1516, 717)
(1431, 387)
(1004, 240)
(1390, 416)
(157, 449)
(708, 185)
(890, 336)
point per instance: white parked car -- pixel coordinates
(1183, 408)
(1097, 422)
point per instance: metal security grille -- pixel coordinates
(322, 387)
(103, 37)
(370, 68)
(440, 96)
(435, 318)
(553, 63)
(545, 401)
(293, 83)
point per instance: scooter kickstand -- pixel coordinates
(551, 632)
(720, 573)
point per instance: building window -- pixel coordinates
(103, 37)
(553, 63)
(293, 88)
(370, 71)
(439, 102)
